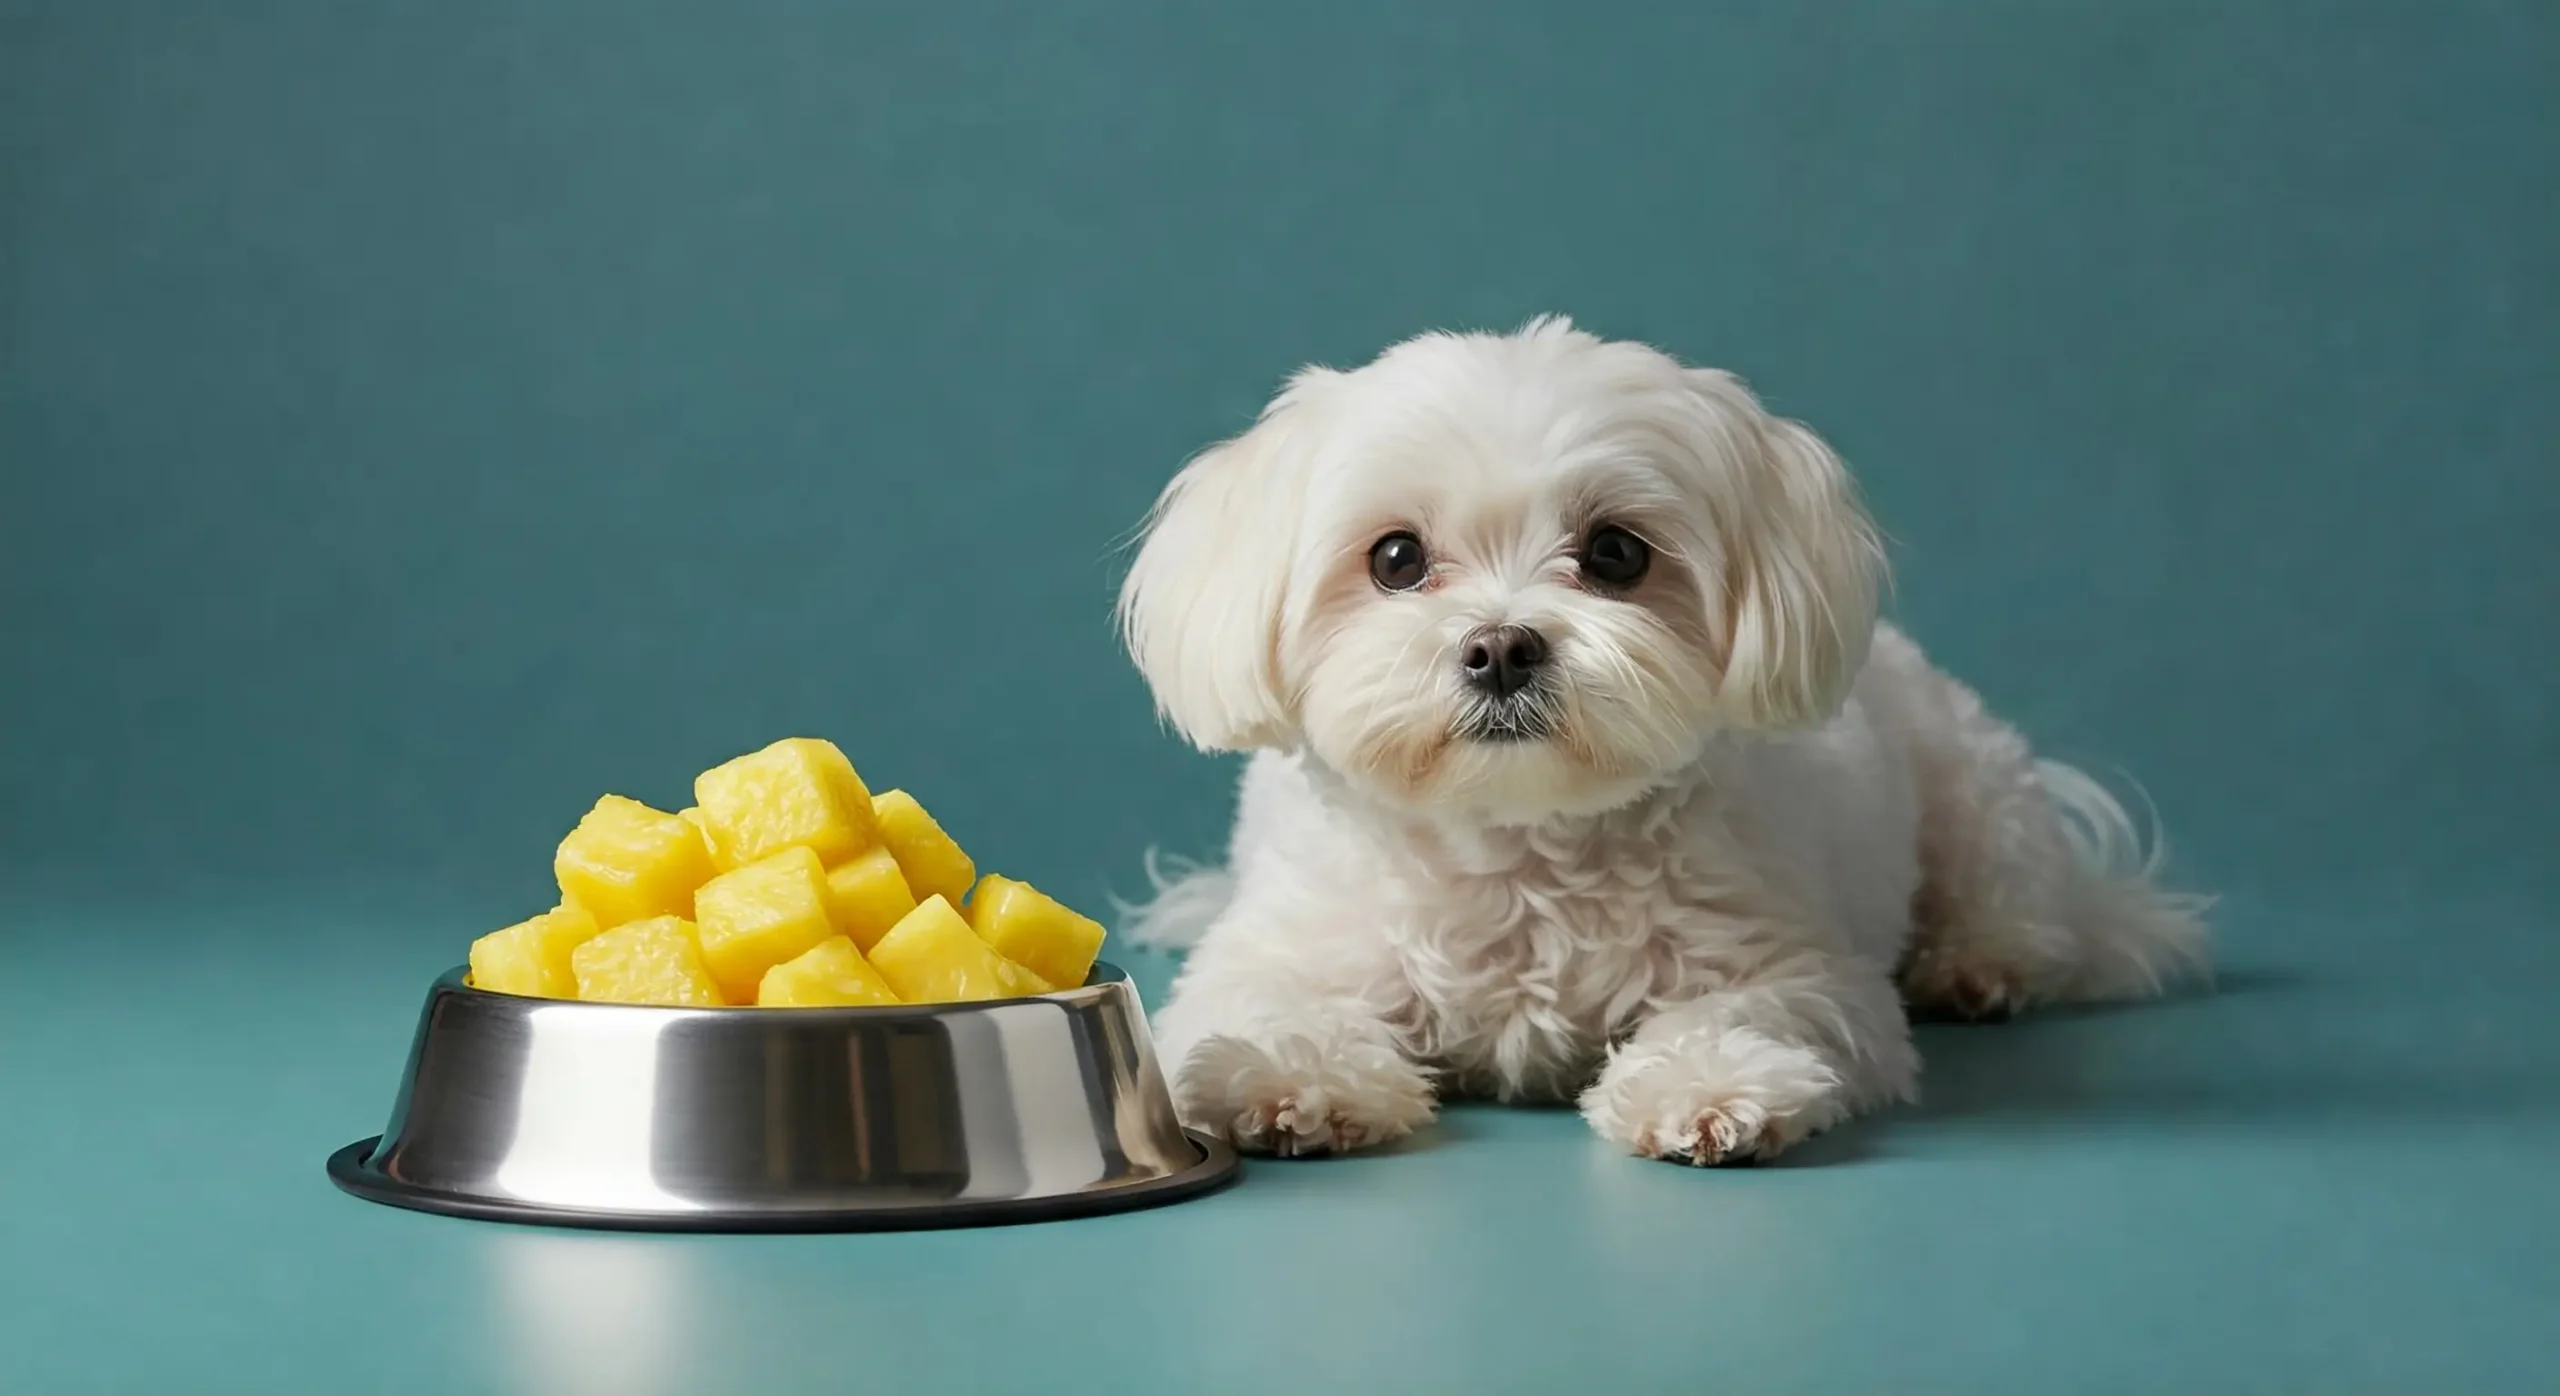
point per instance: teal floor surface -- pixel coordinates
(2336, 1175)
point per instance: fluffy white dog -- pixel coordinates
(1583, 769)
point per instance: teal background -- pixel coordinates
(417, 419)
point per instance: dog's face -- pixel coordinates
(1504, 577)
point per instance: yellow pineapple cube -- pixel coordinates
(799, 791)
(628, 862)
(531, 957)
(832, 975)
(1020, 982)
(933, 957)
(1020, 923)
(867, 896)
(753, 918)
(934, 865)
(658, 960)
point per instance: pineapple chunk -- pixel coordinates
(628, 862)
(1034, 930)
(654, 961)
(1020, 982)
(833, 975)
(800, 790)
(933, 957)
(868, 896)
(760, 915)
(692, 814)
(934, 865)
(531, 958)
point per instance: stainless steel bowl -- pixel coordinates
(801, 1119)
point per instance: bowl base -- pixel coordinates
(352, 1170)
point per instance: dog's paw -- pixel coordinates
(1713, 1098)
(1971, 989)
(1291, 1095)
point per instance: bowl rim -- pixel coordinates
(1099, 982)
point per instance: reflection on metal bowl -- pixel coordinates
(755, 1119)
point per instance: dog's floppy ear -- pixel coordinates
(1202, 609)
(1801, 570)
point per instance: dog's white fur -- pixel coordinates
(1758, 825)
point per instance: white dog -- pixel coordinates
(1583, 769)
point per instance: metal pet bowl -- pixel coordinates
(782, 1119)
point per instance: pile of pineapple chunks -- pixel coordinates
(787, 884)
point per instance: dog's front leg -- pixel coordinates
(1283, 1057)
(1745, 1069)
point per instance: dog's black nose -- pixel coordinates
(1502, 659)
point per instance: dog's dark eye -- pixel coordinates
(1398, 562)
(1613, 557)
